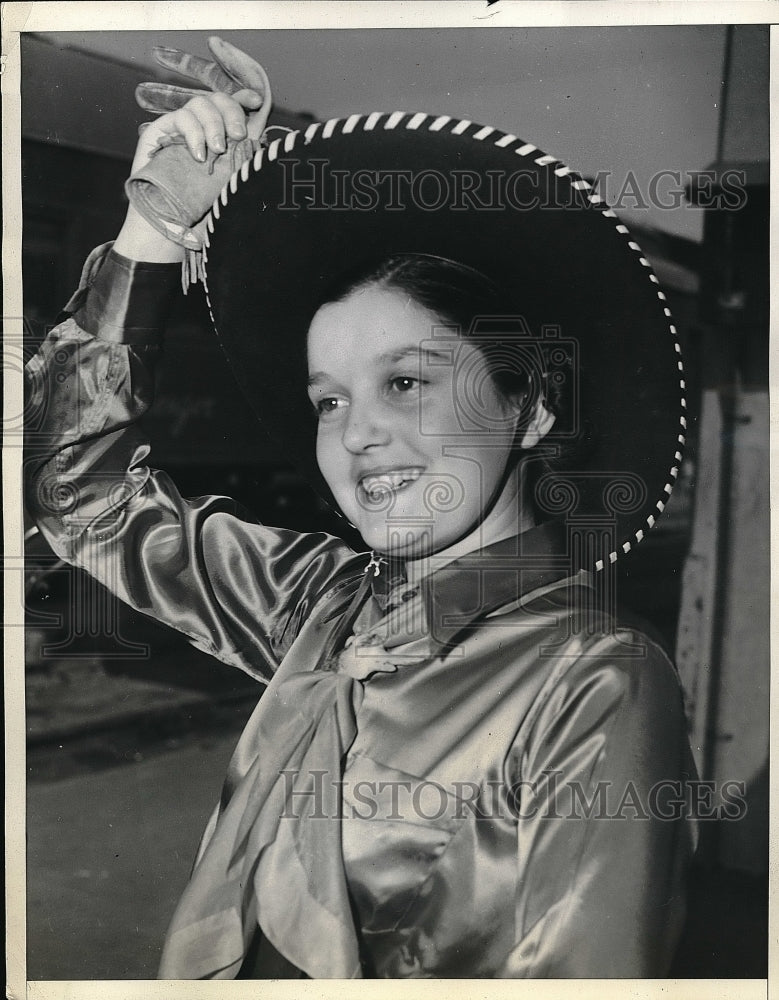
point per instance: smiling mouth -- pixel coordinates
(379, 485)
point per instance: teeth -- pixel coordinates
(389, 481)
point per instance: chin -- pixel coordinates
(385, 543)
(399, 542)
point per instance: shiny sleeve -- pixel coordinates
(239, 590)
(603, 836)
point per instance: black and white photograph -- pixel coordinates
(387, 496)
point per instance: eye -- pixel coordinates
(328, 404)
(404, 383)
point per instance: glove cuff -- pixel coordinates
(173, 191)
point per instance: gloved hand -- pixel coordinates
(169, 187)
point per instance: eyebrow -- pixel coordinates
(392, 357)
(415, 351)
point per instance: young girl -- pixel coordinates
(463, 764)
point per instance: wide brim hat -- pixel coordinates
(316, 204)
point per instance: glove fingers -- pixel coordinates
(244, 70)
(210, 74)
(159, 98)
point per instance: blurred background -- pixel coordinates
(130, 729)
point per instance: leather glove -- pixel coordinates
(173, 191)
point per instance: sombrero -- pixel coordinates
(316, 203)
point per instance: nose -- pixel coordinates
(364, 428)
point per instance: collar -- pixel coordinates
(480, 582)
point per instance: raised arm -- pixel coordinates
(239, 590)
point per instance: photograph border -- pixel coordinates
(301, 15)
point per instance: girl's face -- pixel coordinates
(413, 436)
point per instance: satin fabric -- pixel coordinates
(451, 843)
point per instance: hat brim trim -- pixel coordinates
(420, 121)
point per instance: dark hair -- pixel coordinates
(523, 365)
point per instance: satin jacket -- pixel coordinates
(480, 776)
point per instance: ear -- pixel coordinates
(539, 426)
